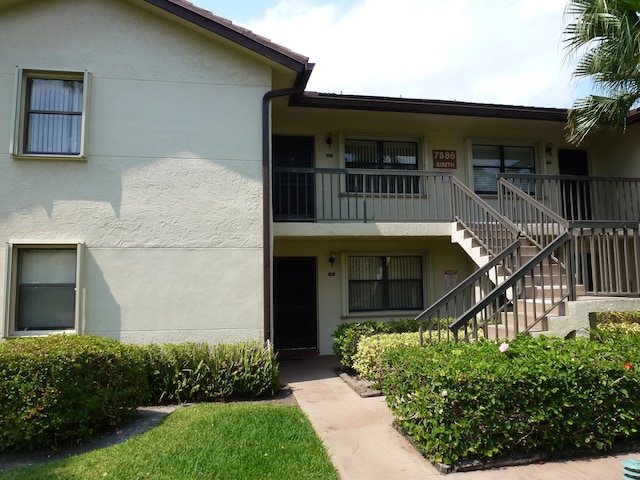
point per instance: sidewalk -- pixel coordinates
(363, 445)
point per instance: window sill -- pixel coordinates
(384, 314)
(377, 195)
(49, 157)
(42, 333)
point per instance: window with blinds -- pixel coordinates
(381, 155)
(378, 283)
(51, 113)
(43, 285)
(53, 116)
(490, 160)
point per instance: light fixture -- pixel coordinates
(329, 139)
(548, 147)
(332, 259)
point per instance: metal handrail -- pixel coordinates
(471, 211)
(582, 197)
(512, 284)
(460, 292)
(360, 195)
(537, 222)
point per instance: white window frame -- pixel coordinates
(501, 143)
(20, 103)
(346, 313)
(11, 262)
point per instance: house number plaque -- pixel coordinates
(445, 159)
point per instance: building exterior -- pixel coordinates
(166, 177)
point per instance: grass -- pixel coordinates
(206, 441)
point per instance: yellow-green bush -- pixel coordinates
(367, 361)
(622, 328)
(347, 336)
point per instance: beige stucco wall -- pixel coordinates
(441, 255)
(618, 153)
(434, 132)
(169, 199)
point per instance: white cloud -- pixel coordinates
(503, 51)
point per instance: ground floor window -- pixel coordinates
(379, 283)
(490, 160)
(43, 287)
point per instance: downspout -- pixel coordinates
(266, 189)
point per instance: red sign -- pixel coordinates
(445, 159)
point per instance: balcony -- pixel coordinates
(362, 196)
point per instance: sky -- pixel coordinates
(487, 51)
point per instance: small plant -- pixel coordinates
(199, 372)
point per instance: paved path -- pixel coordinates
(363, 445)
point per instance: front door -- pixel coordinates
(295, 317)
(293, 180)
(575, 194)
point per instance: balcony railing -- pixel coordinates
(357, 195)
(583, 198)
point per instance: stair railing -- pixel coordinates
(525, 299)
(435, 320)
(490, 229)
(500, 239)
(538, 223)
(527, 293)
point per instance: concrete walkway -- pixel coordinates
(363, 445)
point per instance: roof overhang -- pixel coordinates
(434, 107)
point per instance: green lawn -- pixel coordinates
(207, 441)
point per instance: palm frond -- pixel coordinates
(607, 35)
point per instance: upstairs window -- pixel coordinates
(490, 160)
(51, 114)
(381, 155)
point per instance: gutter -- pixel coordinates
(298, 89)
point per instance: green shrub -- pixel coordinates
(462, 401)
(368, 360)
(198, 372)
(347, 336)
(64, 387)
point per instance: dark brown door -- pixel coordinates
(295, 304)
(293, 180)
(575, 193)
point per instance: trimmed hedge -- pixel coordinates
(347, 336)
(466, 401)
(63, 387)
(198, 372)
(368, 361)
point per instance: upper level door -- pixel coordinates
(293, 180)
(575, 195)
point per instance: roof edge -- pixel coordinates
(227, 29)
(434, 107)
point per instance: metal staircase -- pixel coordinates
(525, 269)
